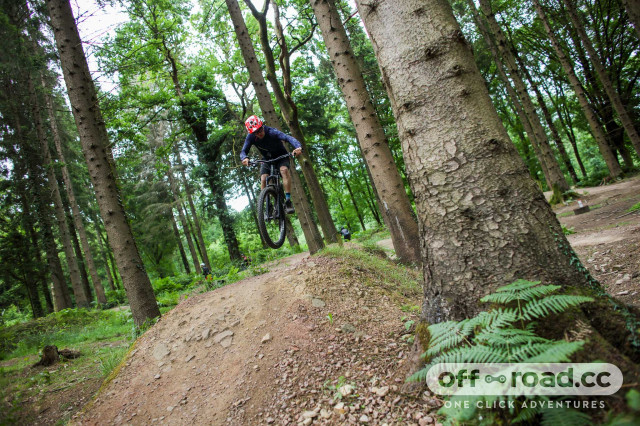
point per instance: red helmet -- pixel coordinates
(253, 123)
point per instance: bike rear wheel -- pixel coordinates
(271, 220)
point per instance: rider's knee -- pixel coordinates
(284, 170)
(263, 178)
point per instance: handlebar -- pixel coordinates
(256, 162)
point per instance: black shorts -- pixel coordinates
(265, 168)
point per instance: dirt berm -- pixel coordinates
(315, 340)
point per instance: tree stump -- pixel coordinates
(581, 210)
(51, 355)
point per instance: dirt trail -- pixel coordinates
(607, 238)
(275, 348)
(271, 349)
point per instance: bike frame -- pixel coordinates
(274, 180)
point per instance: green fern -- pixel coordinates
(475, 354)
(565, 417)
(505, 333)
(551, 304)
(558, 351)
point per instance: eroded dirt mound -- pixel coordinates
(277, 348)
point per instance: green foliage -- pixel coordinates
(567, 231)
(116, 297)
(334, 387)
(634, 208)
(505, 334)
(111, 359)
(13, 315)
(63, 329)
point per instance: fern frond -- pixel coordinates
(461, 409)
(454, 338)
(494, 319)
(509, 337)
(565, 417)
(529, 351)
(525, 294)
(420, 375)
(475, 354)
(526, 415)
(441, 331)
(517, 285)
(558, 352)
(551, 304)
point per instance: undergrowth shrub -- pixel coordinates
(66, 327)
(505, 334)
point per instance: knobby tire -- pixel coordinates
(272, 229)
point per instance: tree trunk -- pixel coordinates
(183, 219)
(484, 222)
(547, 116)
(34, 254)
(502, 73)
(74, 271)
(373, 200)
(77, 216)
(86, 286)
(226, 222)
(183, 255)
(633, 10)
(101, 250)
(252, 206)
(555, 178)
(192, 207)
(620, 109)
(31, 253)
(598, 133)
(310, 229)
(353, 199)
(94, 139)
(394, 202)
(290, 113)
(568, 127)
(114, 269)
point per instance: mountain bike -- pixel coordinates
(271, 214)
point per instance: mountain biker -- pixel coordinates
(345, 233)
(205, 271)
(270, 143)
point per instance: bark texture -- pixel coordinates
(299, 198)
(596, 128)
(483, 220)
(94, 139)
(394, 202)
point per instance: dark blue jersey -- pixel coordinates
(270, 146)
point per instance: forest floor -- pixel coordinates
(607, 238)
(317, 339)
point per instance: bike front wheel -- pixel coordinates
(271, 220)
